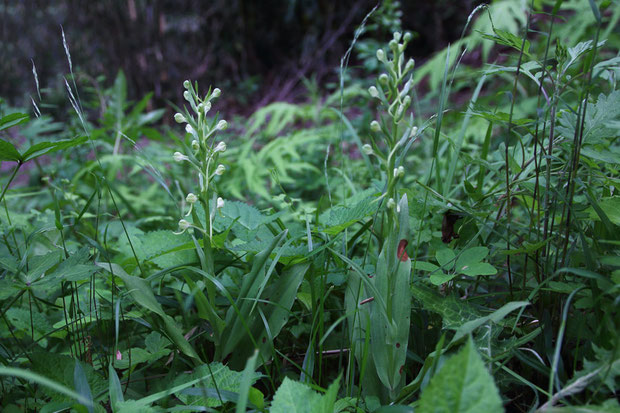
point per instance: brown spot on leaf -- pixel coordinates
(401, 253)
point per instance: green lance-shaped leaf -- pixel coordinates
(462, 385)
(142, 294)
(238, 316)
(389, 339)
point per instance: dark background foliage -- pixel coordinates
(257, 51)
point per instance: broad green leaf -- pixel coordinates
(425, 266)
(453, 311)
(505, 38)
(53, 386)
(445, 258)
(8, 152)
(143, 295)
(470, 256)
(336, 219)
(43, 148)
(247, 379)
(440, 277)
(80, 382)
(495, 317)
(12, 119)
(463, 385)
(296, 397)
(610, 207)
(237, 323)
(478, 268)
(210, 377)
(114, 389)
(139, 289)
(61, 369)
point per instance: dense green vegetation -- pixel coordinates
(442, 238)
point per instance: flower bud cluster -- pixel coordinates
(393, 90)
(203, 155)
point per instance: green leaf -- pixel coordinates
(210, 377)
(462, 385)
(296, 397)
(43, 148)
(440, 277)
(114, 389)
(610, 207)
(470, 256)
(61, 369)
(143, 295)
(453, 311)
(52, 385)
(505, 38)
(478, 268)
(12, 119)
(494, 317)
(250, 291)
(80, 383)
(8, 152)
(445, 258)
(339, 217)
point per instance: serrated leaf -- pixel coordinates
(463, 385)
(212, 376)
(296, 397)
(336, 219)
(453, 311)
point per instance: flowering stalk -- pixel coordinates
(389, 323)
(203, 158)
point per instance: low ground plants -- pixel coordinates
(380, 247)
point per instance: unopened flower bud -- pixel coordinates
(189, 129)
(221, 125)
(391, 203)
(191, 198)
(407, 37)
(397, 36)
(414, 131)
(393, 44)
(401, 47)
(216, 92)
(399, 172)
(206, 107)
(187, 96)
(219, 203)
(220, 147)
(380, 55)
(179, 118)
(179, 157)
(183, 225)
(186, 84)
(374, 126)
(220, 169)
(410, 65)
(195, 145)
(373, 92)
(367, 149)
(383, 79)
